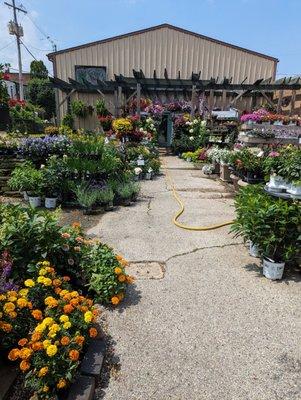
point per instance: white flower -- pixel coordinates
(190, 130)
(137, 171)
(141, 130)
(150, 170)
(195, 121)
(42, 166)
(203, 123)
(191, 138)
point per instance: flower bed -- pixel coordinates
(49, 275)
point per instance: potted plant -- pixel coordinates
(106, 198)
(271, 223)
(125, 192)
(148, 174)
(35, 187)
(19, 179)
(51, 187)
(137, 172)
(225, 158)
(135, 189)
(79, 108)
(86, 197)
(292, 170)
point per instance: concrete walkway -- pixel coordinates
(201, 321)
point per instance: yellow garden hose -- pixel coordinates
(182, 209)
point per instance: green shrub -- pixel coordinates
(272, 224)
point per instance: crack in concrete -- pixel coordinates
(202, 248)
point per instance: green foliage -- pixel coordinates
(38, 70)
(85, 195)
(99, 264)
(125, 191)
(29, 235)
(272, 224)
(27, 178)
(41, 93)
(101, 108)
(105, 196)
(25, 119)
(68, 120)
(79, 108)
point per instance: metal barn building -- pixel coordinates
(161, 48)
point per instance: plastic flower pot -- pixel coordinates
(34, 201)
(272, 270)
(136, 177)
(109, 206)
(295, 190)
(50, 202)
(253, 250)
(126, 202)
(148, 176)
(188, 159)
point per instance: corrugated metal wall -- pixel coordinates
(165, 48)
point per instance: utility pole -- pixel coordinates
(17, 30)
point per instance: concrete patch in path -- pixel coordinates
(146, 270)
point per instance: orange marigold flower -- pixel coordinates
(6, 327)
(93, 332)
(43, 371)
(120, 296)
(35, 336)
(65, 341)
(96, 312)
(12, 314)
(56, 282)
(79, 239)
(84, 309)
(73, 355)
(118, 270)
(29, 305)
(79, 340)
(68, 308)
(25, 353)
(61, 383)
(66, 278)
(37, 314)
(13, 355)
(76, 248)
(121, 278)
(74, 302)
(22, 303)
(76, 225)
(22, 342)
(130, 279)
(24, 366)
(57, 290)
(37, 346)
(115, 300)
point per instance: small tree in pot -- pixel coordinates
(272, 224)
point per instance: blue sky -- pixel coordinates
(267, 26)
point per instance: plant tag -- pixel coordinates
(140, 162)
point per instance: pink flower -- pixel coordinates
(274, 154)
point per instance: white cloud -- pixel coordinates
(32, 38)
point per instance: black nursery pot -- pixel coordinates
(252, 177)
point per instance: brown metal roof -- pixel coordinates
(51, 55)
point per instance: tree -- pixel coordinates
(38, 70)
(39, 89)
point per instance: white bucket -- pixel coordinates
(34, 201)
(272, 270)
(294, 189)
(253, 250)
(276, 182)
(50, 202)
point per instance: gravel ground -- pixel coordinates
(209, 326)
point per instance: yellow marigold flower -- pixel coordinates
(47, 282)
(115, 300)
(13, 355)
(64, 318)
(51, 350)
(45, 389)
(6, 327)
(52, 334)
(40, 279)
(121, 278)
(67, 325)
(46, 264)
(22, 303)
(43, 271)
(25, 353)
(46, 343)
(54, 328)
(24, 366)
(118, 270)
(61, 383)
(23, 292)
(51, 302)
(74, 294)
(2, 297)
(88, 316)
(29, 283)
(43, 371)
(40, 328)
(48, 321)
(9, 307)
(63, 292)
(12, 298)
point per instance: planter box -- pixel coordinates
(225, 173)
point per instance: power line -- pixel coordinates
(4, 47)
(43, 33)
(28, 50)
(35, 48)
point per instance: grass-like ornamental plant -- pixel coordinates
(273, 224)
